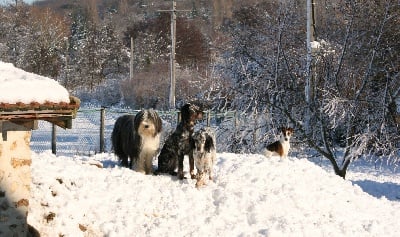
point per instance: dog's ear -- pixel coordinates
(155, 118)
(186, 106)
(138, 119)
(158, 122)
(200, 115)
(185, 112)
(192, 143)
(209, 143)
(197, 110)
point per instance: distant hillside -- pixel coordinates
(218, 10)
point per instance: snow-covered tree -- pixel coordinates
(95, 51)
(355, 75)
(47, 41)
(15, 32)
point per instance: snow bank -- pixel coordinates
(19, 86)
(251, 196)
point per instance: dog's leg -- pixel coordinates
(140, 164)
(211, 166)
(191, 166)
(148, 166)
(130, 162)
(180, 166)
(200, 179)
(210, 173)
(124, 161)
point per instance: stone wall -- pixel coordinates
(15, 179)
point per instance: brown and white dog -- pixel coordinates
(203, 146)
(280, 148)
(137, 138)
(177, 144)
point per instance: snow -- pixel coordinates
(315, 44)
(17, 85)
(250, 196)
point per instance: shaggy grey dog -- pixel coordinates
(137, 138)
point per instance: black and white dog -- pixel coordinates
(203, 146)
(177, 144)
(137, 138)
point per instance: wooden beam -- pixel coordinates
(61, 118)
(29, 124)
(63, 123)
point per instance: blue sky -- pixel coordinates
(13, 1)
(29, 1)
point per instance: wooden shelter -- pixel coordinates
(16, 122)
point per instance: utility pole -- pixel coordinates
(172, 56)
(310, 38)
(131, 61)
(172, 67)
(309, 65)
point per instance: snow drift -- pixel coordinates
(251, 196)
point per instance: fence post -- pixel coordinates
(179, 117)
(236, 120)
(255, 117)
(102, 125)
(53, 139)
(208, 118)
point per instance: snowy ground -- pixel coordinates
(251, 196)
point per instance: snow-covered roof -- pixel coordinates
(26, 96)
(19, 86)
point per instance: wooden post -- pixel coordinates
(255, 117)
(208, 118)
(178, 117)
(53, 139)
(236, 120)
(102, 125)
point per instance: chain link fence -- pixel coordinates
(87, 135)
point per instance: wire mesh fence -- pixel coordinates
(91, 134)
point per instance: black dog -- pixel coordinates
(137, 138)
(177, 144)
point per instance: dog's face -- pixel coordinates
(146, 128)
(199, 141)
(287, 133)
(148, 123)
(202, 142)
(190, 113)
